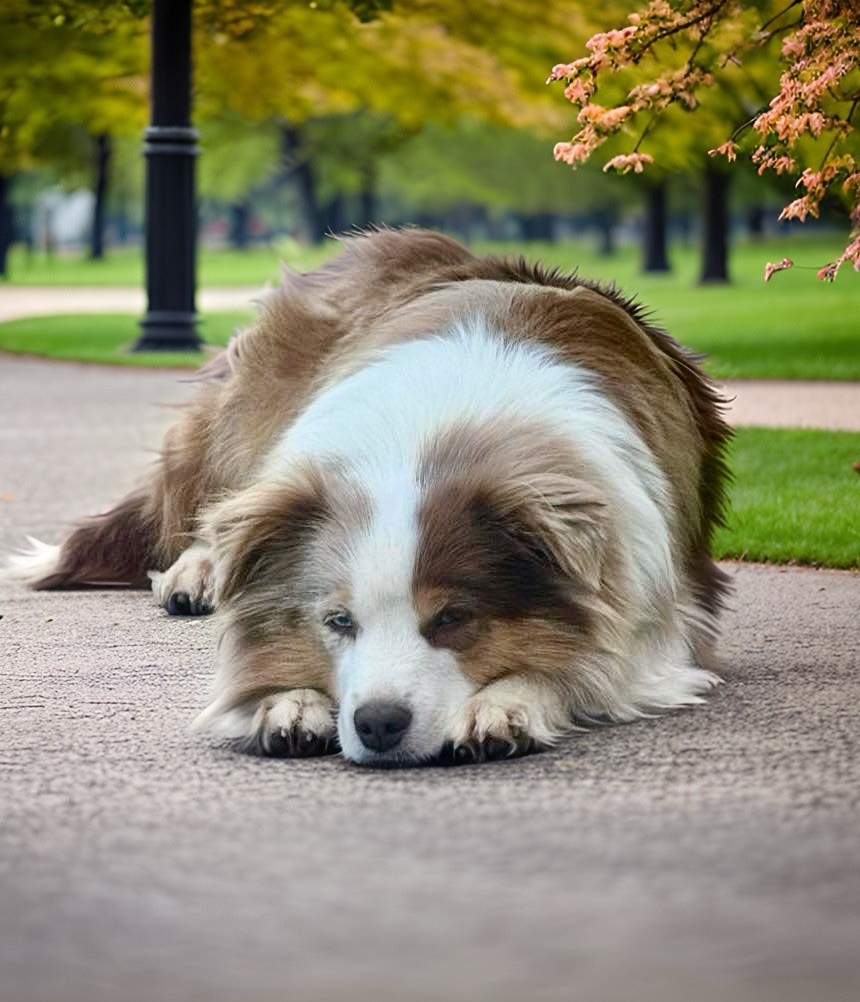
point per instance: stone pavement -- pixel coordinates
(704, 856)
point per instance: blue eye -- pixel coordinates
(340, 622)
(451, 617)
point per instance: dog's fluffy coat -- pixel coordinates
(440, 501)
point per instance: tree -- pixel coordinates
(654, 250)
(672, 52)
(60, 76)
(450, 169)
(337, 88)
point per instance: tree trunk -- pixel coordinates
(333, 216)
(755, 221)
(538, 226)
(6, 226)
(604, 220)
(238, 234)
(298, 168)
(367, 211)
(654, 257)
(367, 207)
(715, 226)
(102, 172)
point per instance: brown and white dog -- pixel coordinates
(444, 504)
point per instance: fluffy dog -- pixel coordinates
(444, 504)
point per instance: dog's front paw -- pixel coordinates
(299, 723)
(506, 719)
(186, 587)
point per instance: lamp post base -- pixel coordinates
(168, 330)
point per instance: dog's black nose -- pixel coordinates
(381, 726)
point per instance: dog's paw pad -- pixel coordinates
(300, 744)
(180, 603)
(492, 726)
(185, 588)
(487, 750)
(297, 724)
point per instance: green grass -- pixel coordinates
(795, 327)
(796, 498)
(107, 338)
(124, 266)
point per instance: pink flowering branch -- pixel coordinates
(820, 52)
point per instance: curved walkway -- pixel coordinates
(794, 404)
(19, 301)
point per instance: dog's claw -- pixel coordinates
(285, 743)
(490, 749)
(498, 748)
(180, 603)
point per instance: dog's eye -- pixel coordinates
(449, 628)
(450, 616)
(340, 622)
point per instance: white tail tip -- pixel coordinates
(33, 564)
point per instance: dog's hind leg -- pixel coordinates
(114, 548)
(148, 530)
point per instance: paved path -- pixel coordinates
(700, 857)
(794, 404)
(18, 301)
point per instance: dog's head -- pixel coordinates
(401, 592)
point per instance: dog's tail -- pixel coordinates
(115, 548)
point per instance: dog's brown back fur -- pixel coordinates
(383, 288)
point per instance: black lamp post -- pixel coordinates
(170, 147)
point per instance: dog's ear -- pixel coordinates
(560, 518)
(263, 527)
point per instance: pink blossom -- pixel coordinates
(629, 161)
(676, 47)
(770, 267)
(800, 208)
(571, 153)
(619, 37)
(561, 71)
(578, 91)
(729, 150)
(591, 113)
(852, 183)
(793, 47)
(783, 165)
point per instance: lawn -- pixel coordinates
(108, 337)
(795, 499)
(124, 266)
(795, 327)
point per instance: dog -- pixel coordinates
(447, 507)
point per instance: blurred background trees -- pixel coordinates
(317, 117)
